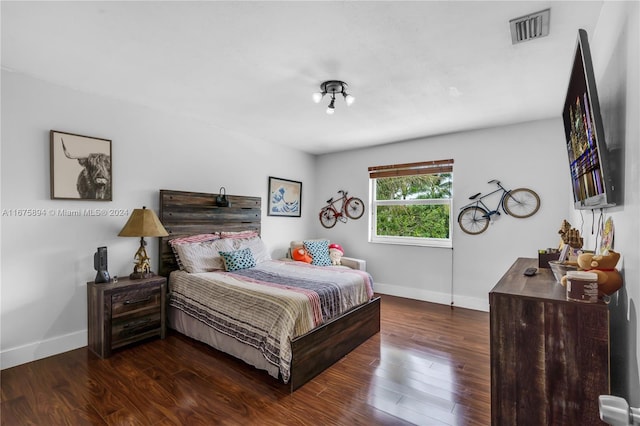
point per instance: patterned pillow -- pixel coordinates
(319, 250)
(239, 259)
(194, 239)
(238, 234)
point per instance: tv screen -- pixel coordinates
(590, 174)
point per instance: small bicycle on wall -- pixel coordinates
(474, 218)
(352, 208)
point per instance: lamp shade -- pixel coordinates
(143, 223)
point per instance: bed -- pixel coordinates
(318, 328)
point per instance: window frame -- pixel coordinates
(410, 169)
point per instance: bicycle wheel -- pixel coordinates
(473, 220)
(354, 208)
(328, 217)
(521, 203)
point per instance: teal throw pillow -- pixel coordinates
(319, 250)
(239, 259)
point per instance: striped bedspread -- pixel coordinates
(269, 305)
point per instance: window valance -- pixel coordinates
(410, 169)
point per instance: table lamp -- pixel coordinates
(142, 223)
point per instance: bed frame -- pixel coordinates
(188, 213)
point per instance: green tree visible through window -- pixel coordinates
(413, 207)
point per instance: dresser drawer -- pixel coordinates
(133, 327)
(135, 300)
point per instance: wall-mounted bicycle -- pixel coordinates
(352, 208)
(474, 218)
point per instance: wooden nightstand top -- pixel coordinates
(126, 282)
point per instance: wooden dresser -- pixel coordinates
(125, 312)
(549, 356)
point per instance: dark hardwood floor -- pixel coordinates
(429, 365)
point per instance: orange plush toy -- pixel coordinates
(301, 255)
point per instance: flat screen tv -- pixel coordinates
(591, 177)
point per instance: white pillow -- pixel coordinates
(189, 240)
(257, 247)
(203, 256)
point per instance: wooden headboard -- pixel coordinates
(188, 213)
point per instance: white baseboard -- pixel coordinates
(434, 297)
(43, 349)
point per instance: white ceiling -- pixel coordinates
(416, 68)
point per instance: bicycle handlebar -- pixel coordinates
(344, 195)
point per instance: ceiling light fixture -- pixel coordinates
(333, 87)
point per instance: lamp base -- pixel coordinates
(142, 268)
(141, 275)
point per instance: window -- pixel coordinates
(411, 203)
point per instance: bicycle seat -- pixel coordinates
(473, 197)
(330, 200)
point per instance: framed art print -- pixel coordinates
(285, 197)
(80, 167)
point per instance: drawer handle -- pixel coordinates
(136, 323)
(132, 302)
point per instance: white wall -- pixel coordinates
(46, 261)
(524, 155)
(615, 47)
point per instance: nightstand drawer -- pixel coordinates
(135, 300)
(134, 328)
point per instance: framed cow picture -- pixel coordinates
(80, 167)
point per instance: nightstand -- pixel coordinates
(125, 312)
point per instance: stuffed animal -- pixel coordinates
(301, 255)
(335, 253)
(603, 265)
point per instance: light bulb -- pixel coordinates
(317, 97)
(331, 108)
(349, 99)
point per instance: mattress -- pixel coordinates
(254, 313)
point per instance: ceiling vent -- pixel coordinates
(529, 27)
